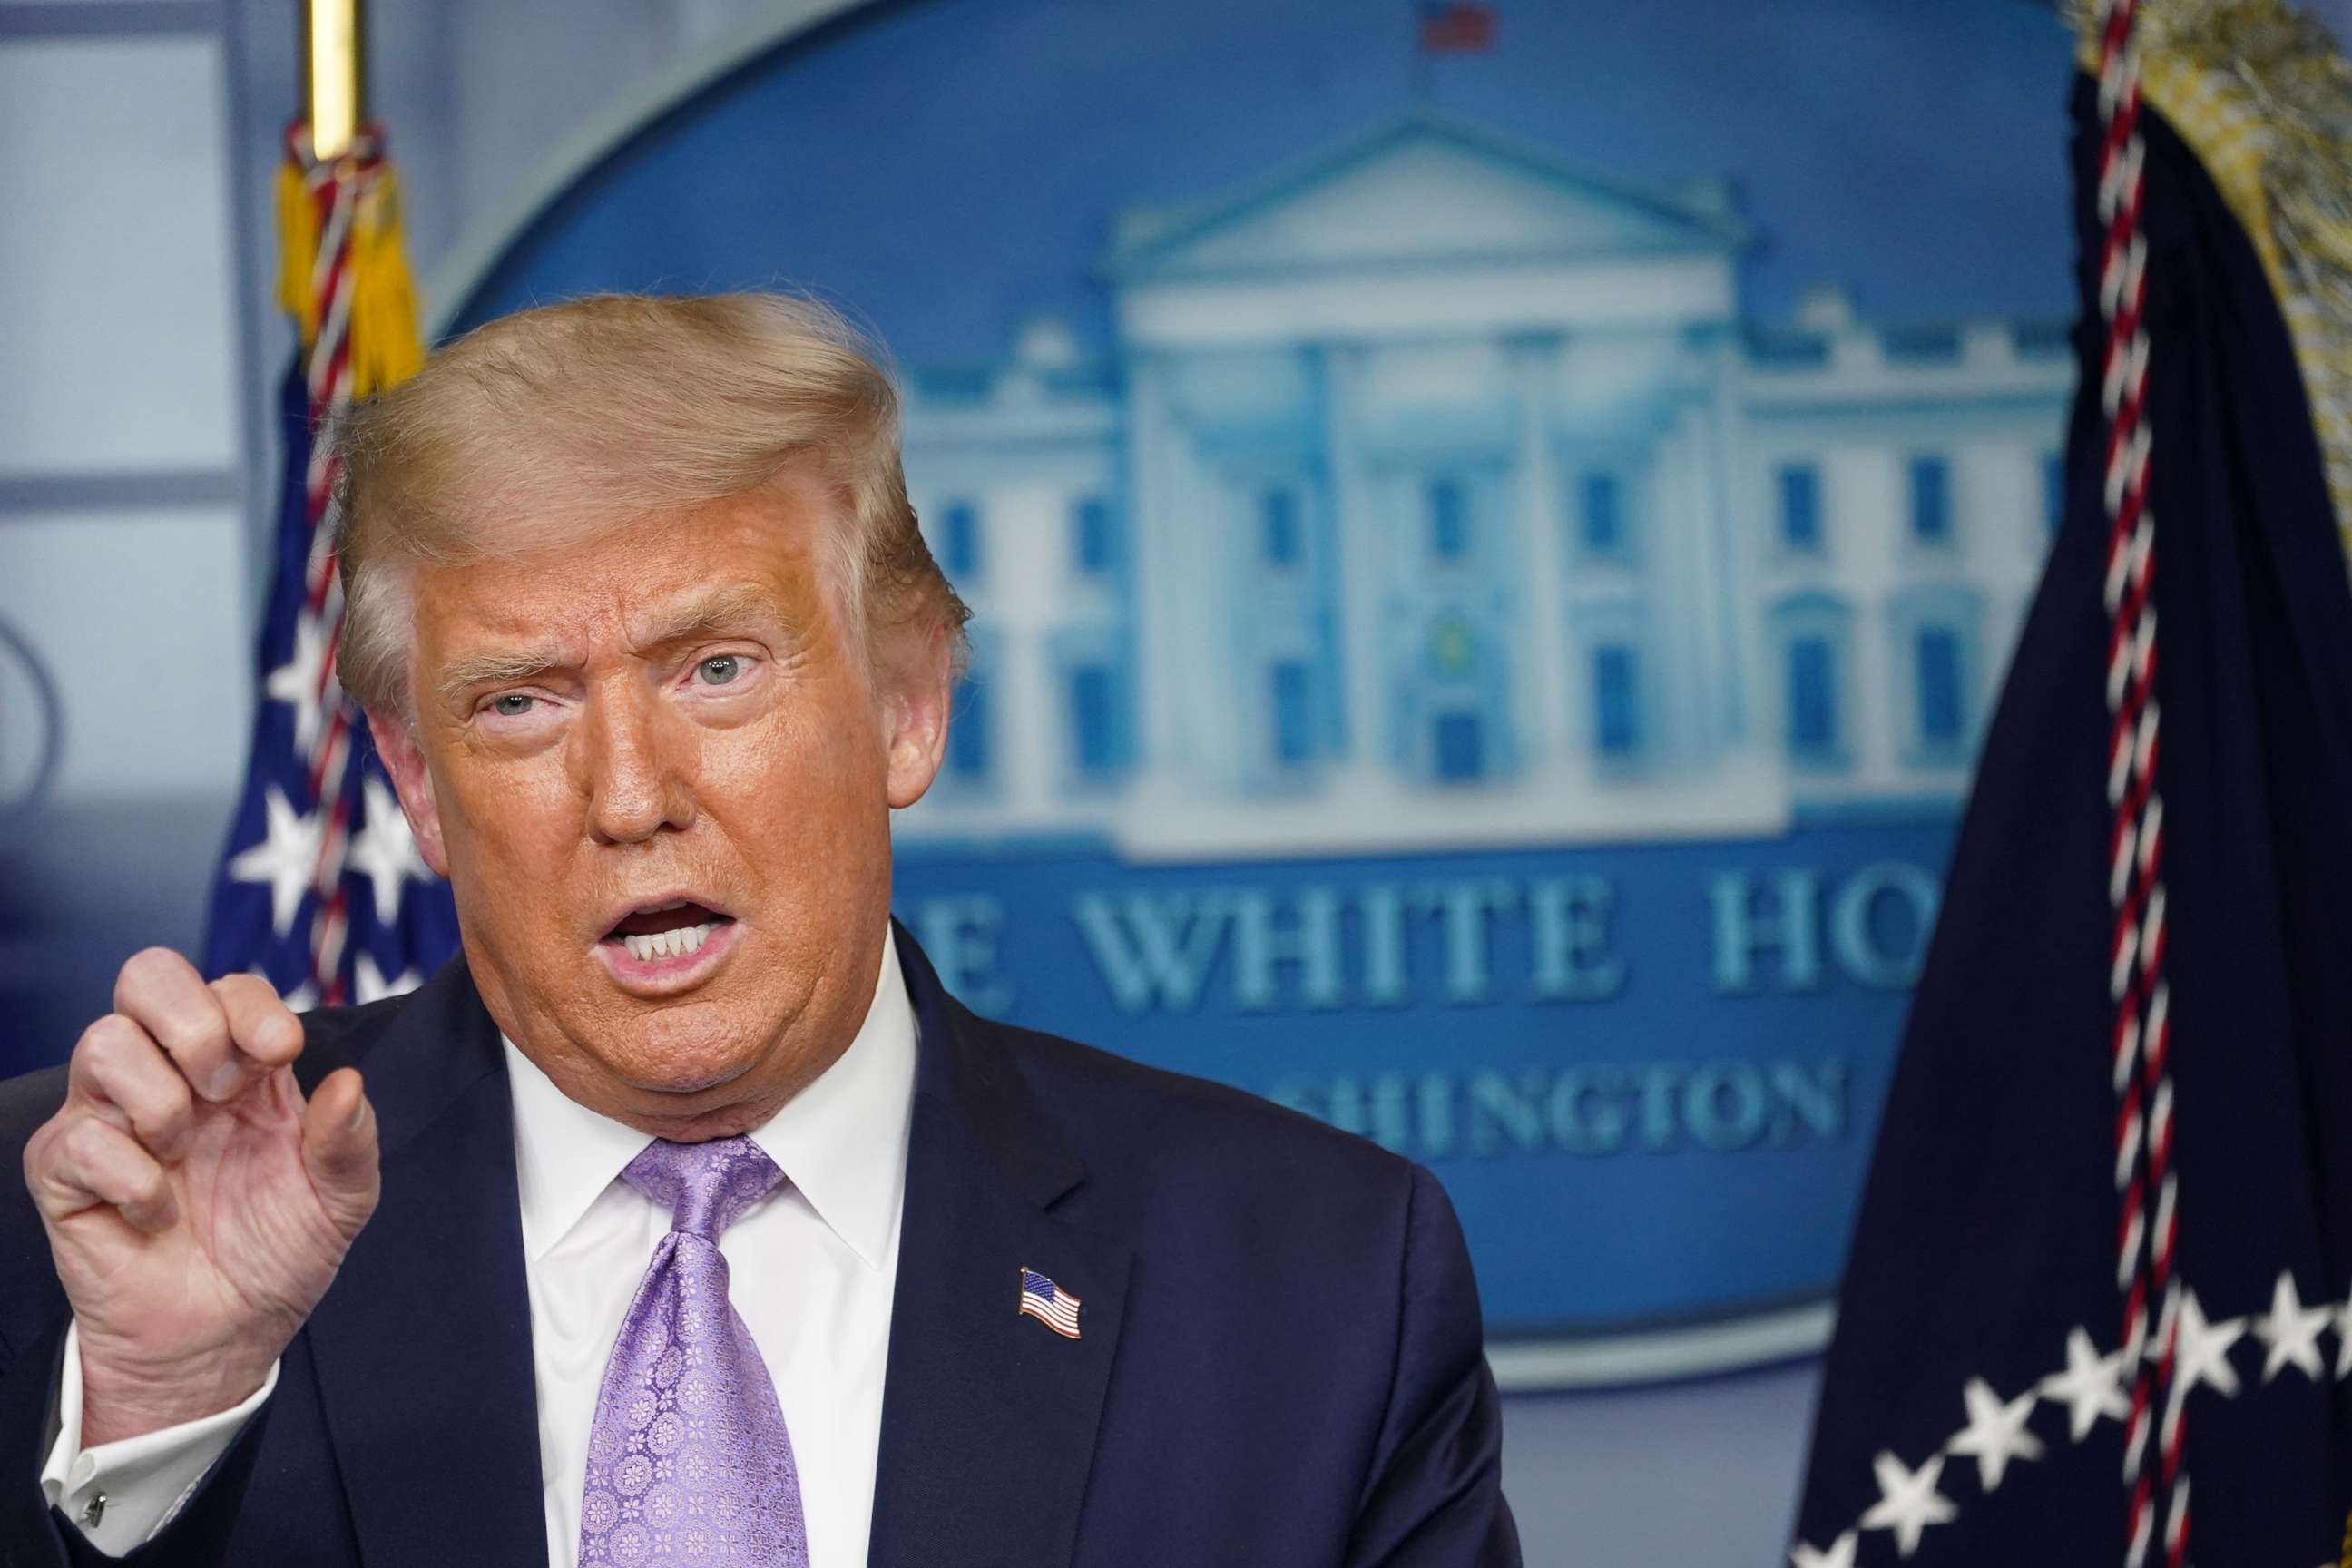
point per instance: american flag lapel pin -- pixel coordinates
(1049, 1303)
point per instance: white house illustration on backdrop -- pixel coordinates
(1437, 493)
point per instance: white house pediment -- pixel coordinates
(1423, 192)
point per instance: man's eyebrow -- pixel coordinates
(724, 609)
(493, 669)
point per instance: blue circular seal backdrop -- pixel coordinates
(1490, 564)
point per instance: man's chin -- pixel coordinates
(685, 1101)
(680, 1084)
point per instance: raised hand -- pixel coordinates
(196, 1207)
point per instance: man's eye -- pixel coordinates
(512, 705)
(719, 668)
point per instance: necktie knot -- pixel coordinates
(705, 1186)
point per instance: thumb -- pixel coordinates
(339, 1150)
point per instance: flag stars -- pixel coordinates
(1908, 1501)
(2202, 1349)
(382, 849)
(298, 682)
(368, 984)
(2090, 1387)
(284, 858)
(1996, 1431)
(2291, 1330)
(1839, 1555)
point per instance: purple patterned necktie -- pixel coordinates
(688, 1461)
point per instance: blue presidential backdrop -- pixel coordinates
(1495, 533)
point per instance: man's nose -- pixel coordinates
(634, 768)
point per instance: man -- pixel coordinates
(684, 1217)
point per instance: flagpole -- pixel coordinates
(333, 81)
(312, 818)
(360, 335)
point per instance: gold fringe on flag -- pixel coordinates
(386, 344)
(298, 250)
(2264, 98)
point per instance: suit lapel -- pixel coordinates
(988, 1416)
(422, 1344)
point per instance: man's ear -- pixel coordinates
(916, 718)
(395, 742)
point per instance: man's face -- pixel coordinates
(657, 770)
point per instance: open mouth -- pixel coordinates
(670, 930)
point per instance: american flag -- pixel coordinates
(2104, 1257)
(321, 889)
(1049, 1303)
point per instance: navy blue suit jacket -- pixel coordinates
(1280, 1362)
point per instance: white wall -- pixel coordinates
(122, 491)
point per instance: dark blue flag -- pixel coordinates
(398, 923)
(2097, 1308)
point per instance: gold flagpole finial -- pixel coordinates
(331, 96)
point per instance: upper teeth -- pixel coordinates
(668, 944)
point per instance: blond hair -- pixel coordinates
(554, 424)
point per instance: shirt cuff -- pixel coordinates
(118, 1495)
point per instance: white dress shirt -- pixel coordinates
(813, 1266)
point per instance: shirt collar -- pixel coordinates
(841, 1140)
